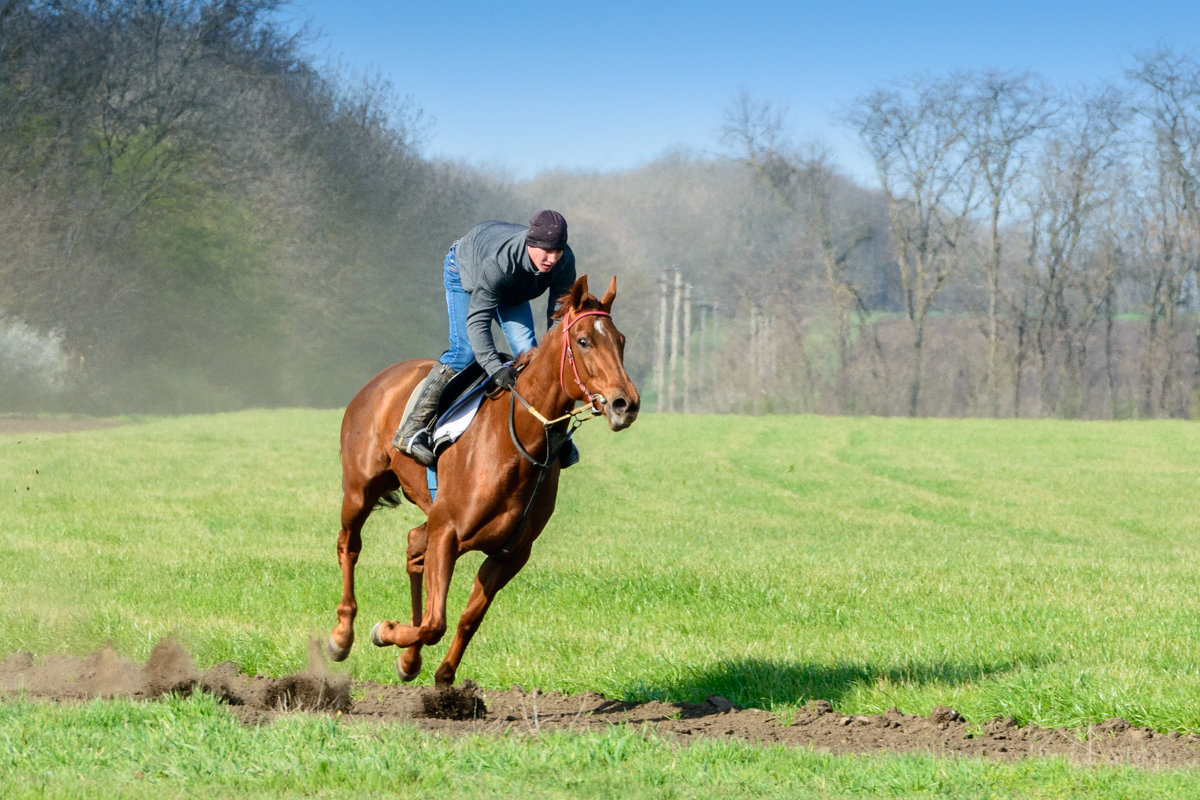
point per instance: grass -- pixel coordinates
(1040, 569)
(191, 748)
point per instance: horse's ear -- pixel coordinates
(578, 292)
(610, 294)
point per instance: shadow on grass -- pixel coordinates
(757, 683)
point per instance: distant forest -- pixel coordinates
(194, 216)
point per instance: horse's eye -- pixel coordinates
(581, 341)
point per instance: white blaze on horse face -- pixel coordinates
(599, 327)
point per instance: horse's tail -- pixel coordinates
(390, 499)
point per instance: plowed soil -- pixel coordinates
(521, 712)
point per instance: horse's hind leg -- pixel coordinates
(409, 664)
(356, 507)
(494, 574)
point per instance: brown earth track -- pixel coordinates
(466, 709)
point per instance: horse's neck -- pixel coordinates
(542, 385)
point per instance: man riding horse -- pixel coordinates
(492, 273)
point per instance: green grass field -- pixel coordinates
(1043, 570)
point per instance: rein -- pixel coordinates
(555, 441)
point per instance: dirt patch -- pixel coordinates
(459, 703)
(466, 709)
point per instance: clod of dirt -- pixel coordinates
(459, 703)
(720, 703)
(941, 715)
(308, 693)
(1112, 725)
(998, 726)
(817, 708)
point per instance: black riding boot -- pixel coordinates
(569, 455)
(413, 436)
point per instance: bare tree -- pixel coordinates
(922, 160)
(1076, 178)
(1170, 106)
(1003, 114)
(806, 183)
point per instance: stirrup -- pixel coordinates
(418, 448)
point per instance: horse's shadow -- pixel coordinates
(759, 683)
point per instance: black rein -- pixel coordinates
(555, 442)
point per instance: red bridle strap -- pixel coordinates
(568, 355)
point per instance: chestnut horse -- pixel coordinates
(496, 485)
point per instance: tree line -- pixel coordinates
(1029, 251)
(195, 216)
(1041, 246)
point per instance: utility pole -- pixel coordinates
(660, 355)
(687, 347)
(674, 363)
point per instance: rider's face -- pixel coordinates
(543, 260)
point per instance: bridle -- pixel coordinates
(569, 356)
(593, 402)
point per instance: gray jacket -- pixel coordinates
(496, 271)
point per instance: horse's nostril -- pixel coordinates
(619, 404)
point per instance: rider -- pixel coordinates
(492, 273)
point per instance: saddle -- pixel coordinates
(462, 386)
(457, 405)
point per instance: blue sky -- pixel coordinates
(532, 86)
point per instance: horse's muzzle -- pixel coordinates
(621, 411)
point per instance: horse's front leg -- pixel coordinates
(494, 574)
(355, 510)
(441, 551)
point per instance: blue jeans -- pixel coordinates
(516, 321)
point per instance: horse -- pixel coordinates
(495, 487)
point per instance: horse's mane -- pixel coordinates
(523, 360)
(589, 303)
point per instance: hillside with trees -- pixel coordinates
(194, 216)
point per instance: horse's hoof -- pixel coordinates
(375, 640)
(404, 676)
(336, 653)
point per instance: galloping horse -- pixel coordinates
(495, 487)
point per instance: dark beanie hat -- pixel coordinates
(547, 230)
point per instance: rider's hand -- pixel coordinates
(505, 377)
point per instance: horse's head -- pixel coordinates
(593, 353)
